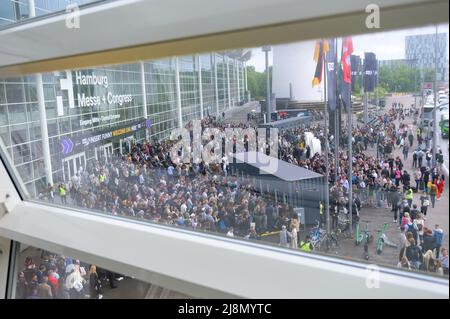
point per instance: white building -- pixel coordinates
(294, 67)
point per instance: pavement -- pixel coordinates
(376, 217)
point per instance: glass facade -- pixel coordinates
(189, 88)
(12, 11)
(80, 105)
(208, 84)
(222, 81)
(161, 93)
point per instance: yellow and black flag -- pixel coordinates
(320, 49)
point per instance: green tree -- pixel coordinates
(256, 82)
(403, 78)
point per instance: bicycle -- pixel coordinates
(380, 238)
(328, 241)
(316, 234)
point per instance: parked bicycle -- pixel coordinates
(316, 234)
(328, 242)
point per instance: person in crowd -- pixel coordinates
(63, 292)
(420, 222)
(94, 283)
(21, 286)
(409, 196)
(413, 254)
(230, 232)
(440, 183)
(404, 263)
(429, 263)
(425, 203)
(284, 236)
(443, 258)
(44, 291)
(306, 245)
(438, 234)
(433, 193)
(429, 241)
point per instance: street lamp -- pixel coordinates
(267, 49)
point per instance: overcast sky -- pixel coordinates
(386, 45)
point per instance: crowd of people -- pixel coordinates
(60, 277)
(147, 184)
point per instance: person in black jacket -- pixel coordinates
(429, 241)
(94, 283)
(414, 254)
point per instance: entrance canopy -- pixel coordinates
(277, 168)
(281, 181)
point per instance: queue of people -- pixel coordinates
(147, 184)
(60, 277)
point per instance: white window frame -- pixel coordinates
(197, 264)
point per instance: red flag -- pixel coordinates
(347, 50)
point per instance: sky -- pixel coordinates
(386, 45)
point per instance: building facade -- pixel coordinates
(421, 50)
(293, 71)
(94, 113)
(394, 62)
(12, 11)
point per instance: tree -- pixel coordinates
(403, 78)
(256, 82)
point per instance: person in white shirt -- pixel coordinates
(230, 232)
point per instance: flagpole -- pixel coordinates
(327, 183)
(350, 163)
(336, 119)
(346, 90)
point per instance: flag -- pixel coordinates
(319, 50)
(347, 50)
(355, 62)
(331, 74)
(370, 71)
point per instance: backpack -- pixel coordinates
(439, 237)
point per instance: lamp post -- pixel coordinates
(435, 131)
(267, 49)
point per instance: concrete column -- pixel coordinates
(177, 82)
(228, 81)
(44, 129)
(216, 89)
(245, 76)
(31, 9)
(144, 98)
(238, 73)
(42, 113)
(200, 88)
